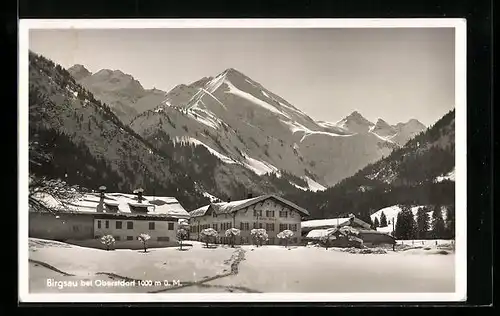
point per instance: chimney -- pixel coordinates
(100, 206)
(139, 194)
(249, 195)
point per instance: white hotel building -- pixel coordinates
(270, 212)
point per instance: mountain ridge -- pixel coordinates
(279, 138)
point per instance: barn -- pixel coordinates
(313, 230)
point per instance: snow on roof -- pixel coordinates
(324, 222)
(318, 233)
(230, 207)
(199, 211)
(88, 203)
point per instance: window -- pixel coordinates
(107, 224)
(99, 224)
(214, 214)
(151, 225)
(269, 213)
(283, 227)
(270, 227)
(170, 226)
(293, 227)
(163, 238)
(260, 225)
(130, 237)
(283, 214)
(254, 224)
(244, 226)
(214, 226)
(117, 238)
(118, 225)
(257, 213)
(130, 225)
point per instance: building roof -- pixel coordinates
(318, 233)
(331, 222)
(231, 207)
(157, 206)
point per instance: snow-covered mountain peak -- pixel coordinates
(355, 122)
(233, 72)
(415, 124)
(382, 128)
(382, 124)
(356, 116)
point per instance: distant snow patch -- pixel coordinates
(250, 82)
(391, 213)
(210, 196)
(297, 127)
(210, 94)
(449, 176)
(298, 186)
(192, 140)
(313, 185)
(251, 98)
(259, 167)
(386, 139)
(205, 118)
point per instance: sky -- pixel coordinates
(391, 73)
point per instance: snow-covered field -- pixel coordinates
(312, 269)
(157, 264)
(263, 269)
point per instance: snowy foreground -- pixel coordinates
(61, 268)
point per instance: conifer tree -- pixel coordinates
(383, 220)
(398, 230)
(422, 223)
(438, 227)
(376, 223)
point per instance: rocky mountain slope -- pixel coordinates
(422, 172)
(79, 139)
(122, 92)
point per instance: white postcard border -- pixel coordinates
(460, 158)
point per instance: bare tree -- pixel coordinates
(41, 189)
